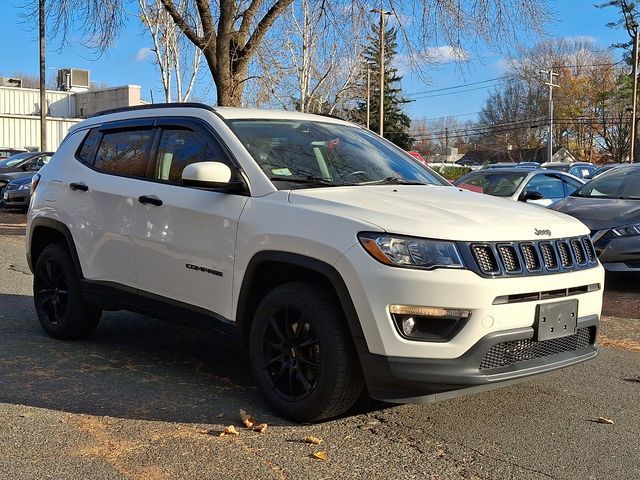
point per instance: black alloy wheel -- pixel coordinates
(61, 308)
(302, 355)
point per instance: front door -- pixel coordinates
(185, 237)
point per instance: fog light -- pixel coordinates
(429, 324)
(408, 324)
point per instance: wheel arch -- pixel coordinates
(268, 269)
(45, 231)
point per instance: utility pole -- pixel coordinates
(43, 92)
(368, 94)
(383, 14)
(634, 100)
(446, 143)
(550, 83)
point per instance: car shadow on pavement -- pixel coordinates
(132, 367)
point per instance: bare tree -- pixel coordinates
(178, 64)
(233, 31)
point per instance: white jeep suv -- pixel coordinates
(343, 262)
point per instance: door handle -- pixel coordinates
(78, 187)
(152, 199)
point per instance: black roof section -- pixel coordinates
(153, 106)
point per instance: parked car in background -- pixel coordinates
(17, 193)
(8, 152)
(528, 165)
(417, 156)
(601, 170)
(469, 162)
(610, 206)
(492, 166)
(27, 170)
(25, 161)
(577, 169)
(539, 186)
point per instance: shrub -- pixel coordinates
(451, 172)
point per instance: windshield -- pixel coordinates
(14, 160)
(621, 182)
(498, 184)
(301, 154)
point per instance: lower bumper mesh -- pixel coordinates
(507, 353)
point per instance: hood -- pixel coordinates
(439, 212)
(600, 213)
(7, 177)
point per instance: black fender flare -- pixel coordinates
(44, 222)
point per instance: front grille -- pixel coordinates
(509, 353)
(486, 259)
(588, 248)
(578, 251)
(531, 258)
(549, 255)
(565, 254)
(509, 258)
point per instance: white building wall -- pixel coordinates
(21, 131)
(26, 101)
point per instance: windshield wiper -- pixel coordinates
(392, 181)
(310, 180)
(629, 197)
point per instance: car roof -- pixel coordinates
(226, 113)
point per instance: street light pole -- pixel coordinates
(381, 53)
(368, 94)
(43, 92)
(634, 100)
(550, 83)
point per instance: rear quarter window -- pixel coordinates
(88, 145)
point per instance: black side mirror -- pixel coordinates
(525, 197)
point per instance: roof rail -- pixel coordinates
(152, 106)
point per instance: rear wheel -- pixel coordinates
(58, 299)
(302, 355)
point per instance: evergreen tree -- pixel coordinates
(396, 122)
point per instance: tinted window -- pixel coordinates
(582, 171)
(494, 183)
(620, 182)
(570, 186)
(15, 160)
(179, 148)
(125, 152)
(547, 186)
(89, 143)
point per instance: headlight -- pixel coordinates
(411, 252)
(627, 230)
(24, 186)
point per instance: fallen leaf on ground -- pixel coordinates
(246, 419)
(603, 420)
(440, 453)
(230, 430)
(260, 428)
(313, 440)
(319, 455)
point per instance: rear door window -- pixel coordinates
(125, 152)
(548, 186)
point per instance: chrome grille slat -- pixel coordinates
(536, 257)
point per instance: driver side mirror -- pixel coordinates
(525, 197)
(212, 176)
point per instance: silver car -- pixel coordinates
(542, 187)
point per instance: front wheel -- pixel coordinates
(58, 300)
(302, 355)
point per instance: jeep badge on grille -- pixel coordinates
(546, 232)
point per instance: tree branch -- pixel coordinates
(184, 26)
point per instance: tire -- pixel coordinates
(302, 355)
(58, 299)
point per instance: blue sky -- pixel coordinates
(126, 62)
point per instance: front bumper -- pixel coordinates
(15, 198)
(418, 380)
(620, 253)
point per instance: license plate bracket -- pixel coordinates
(556, 320)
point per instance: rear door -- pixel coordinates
(185, 237)
(103, 192)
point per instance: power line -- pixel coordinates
(459, 86)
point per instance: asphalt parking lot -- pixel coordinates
(143, 399)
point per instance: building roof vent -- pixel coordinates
(73, 80)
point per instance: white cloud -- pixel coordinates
(447, 54)
(142, 54)
(582, 39)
